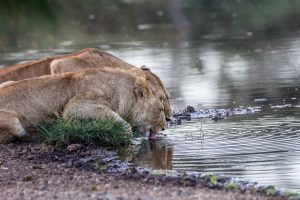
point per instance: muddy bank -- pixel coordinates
(32, 171)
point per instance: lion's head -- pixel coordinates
(156, 86)
(148, 110)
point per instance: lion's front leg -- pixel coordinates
(10, 127)
(92, 109)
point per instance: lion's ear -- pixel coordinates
(145, 68)
(141, 89)
(138, 72)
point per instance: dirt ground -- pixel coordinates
(32, 171)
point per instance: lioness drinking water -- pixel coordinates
(91, 93)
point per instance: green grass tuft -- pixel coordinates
(292, 195)
(105, 132)
(213, 179)
(93, 188)
(271, 191)
(231, 186)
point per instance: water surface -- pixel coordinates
(242, 72)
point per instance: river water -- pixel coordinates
(236, 73)
(242, 72)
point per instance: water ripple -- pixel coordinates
(261, 148)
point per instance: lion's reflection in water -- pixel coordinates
(155, 154)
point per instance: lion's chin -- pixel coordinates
(152, 135)
(147, 131)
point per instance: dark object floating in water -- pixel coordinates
(191, 113)
(190, 109)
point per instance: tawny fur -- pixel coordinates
(92, 93)
(92, 59)
(42, 66)
(6, 83)
(85, 58)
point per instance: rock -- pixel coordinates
(27, 178)
(74, 147)
(4, 168)
(190, 109)
(86, 153)
(110, 196)
(158, 172)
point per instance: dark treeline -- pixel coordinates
(51, 20)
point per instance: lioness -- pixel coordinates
(95, 58)
(91, 93)
(41, 67)
(86, 58)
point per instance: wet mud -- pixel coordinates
(105, 162)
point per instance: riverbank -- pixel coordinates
(33, 171)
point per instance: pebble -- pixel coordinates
(4, 168)
(74, 147)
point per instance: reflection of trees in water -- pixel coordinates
(155, 154)
(238, 71)
(260, 69)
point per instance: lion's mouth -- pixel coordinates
(152, 135)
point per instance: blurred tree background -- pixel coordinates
(43, 24)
